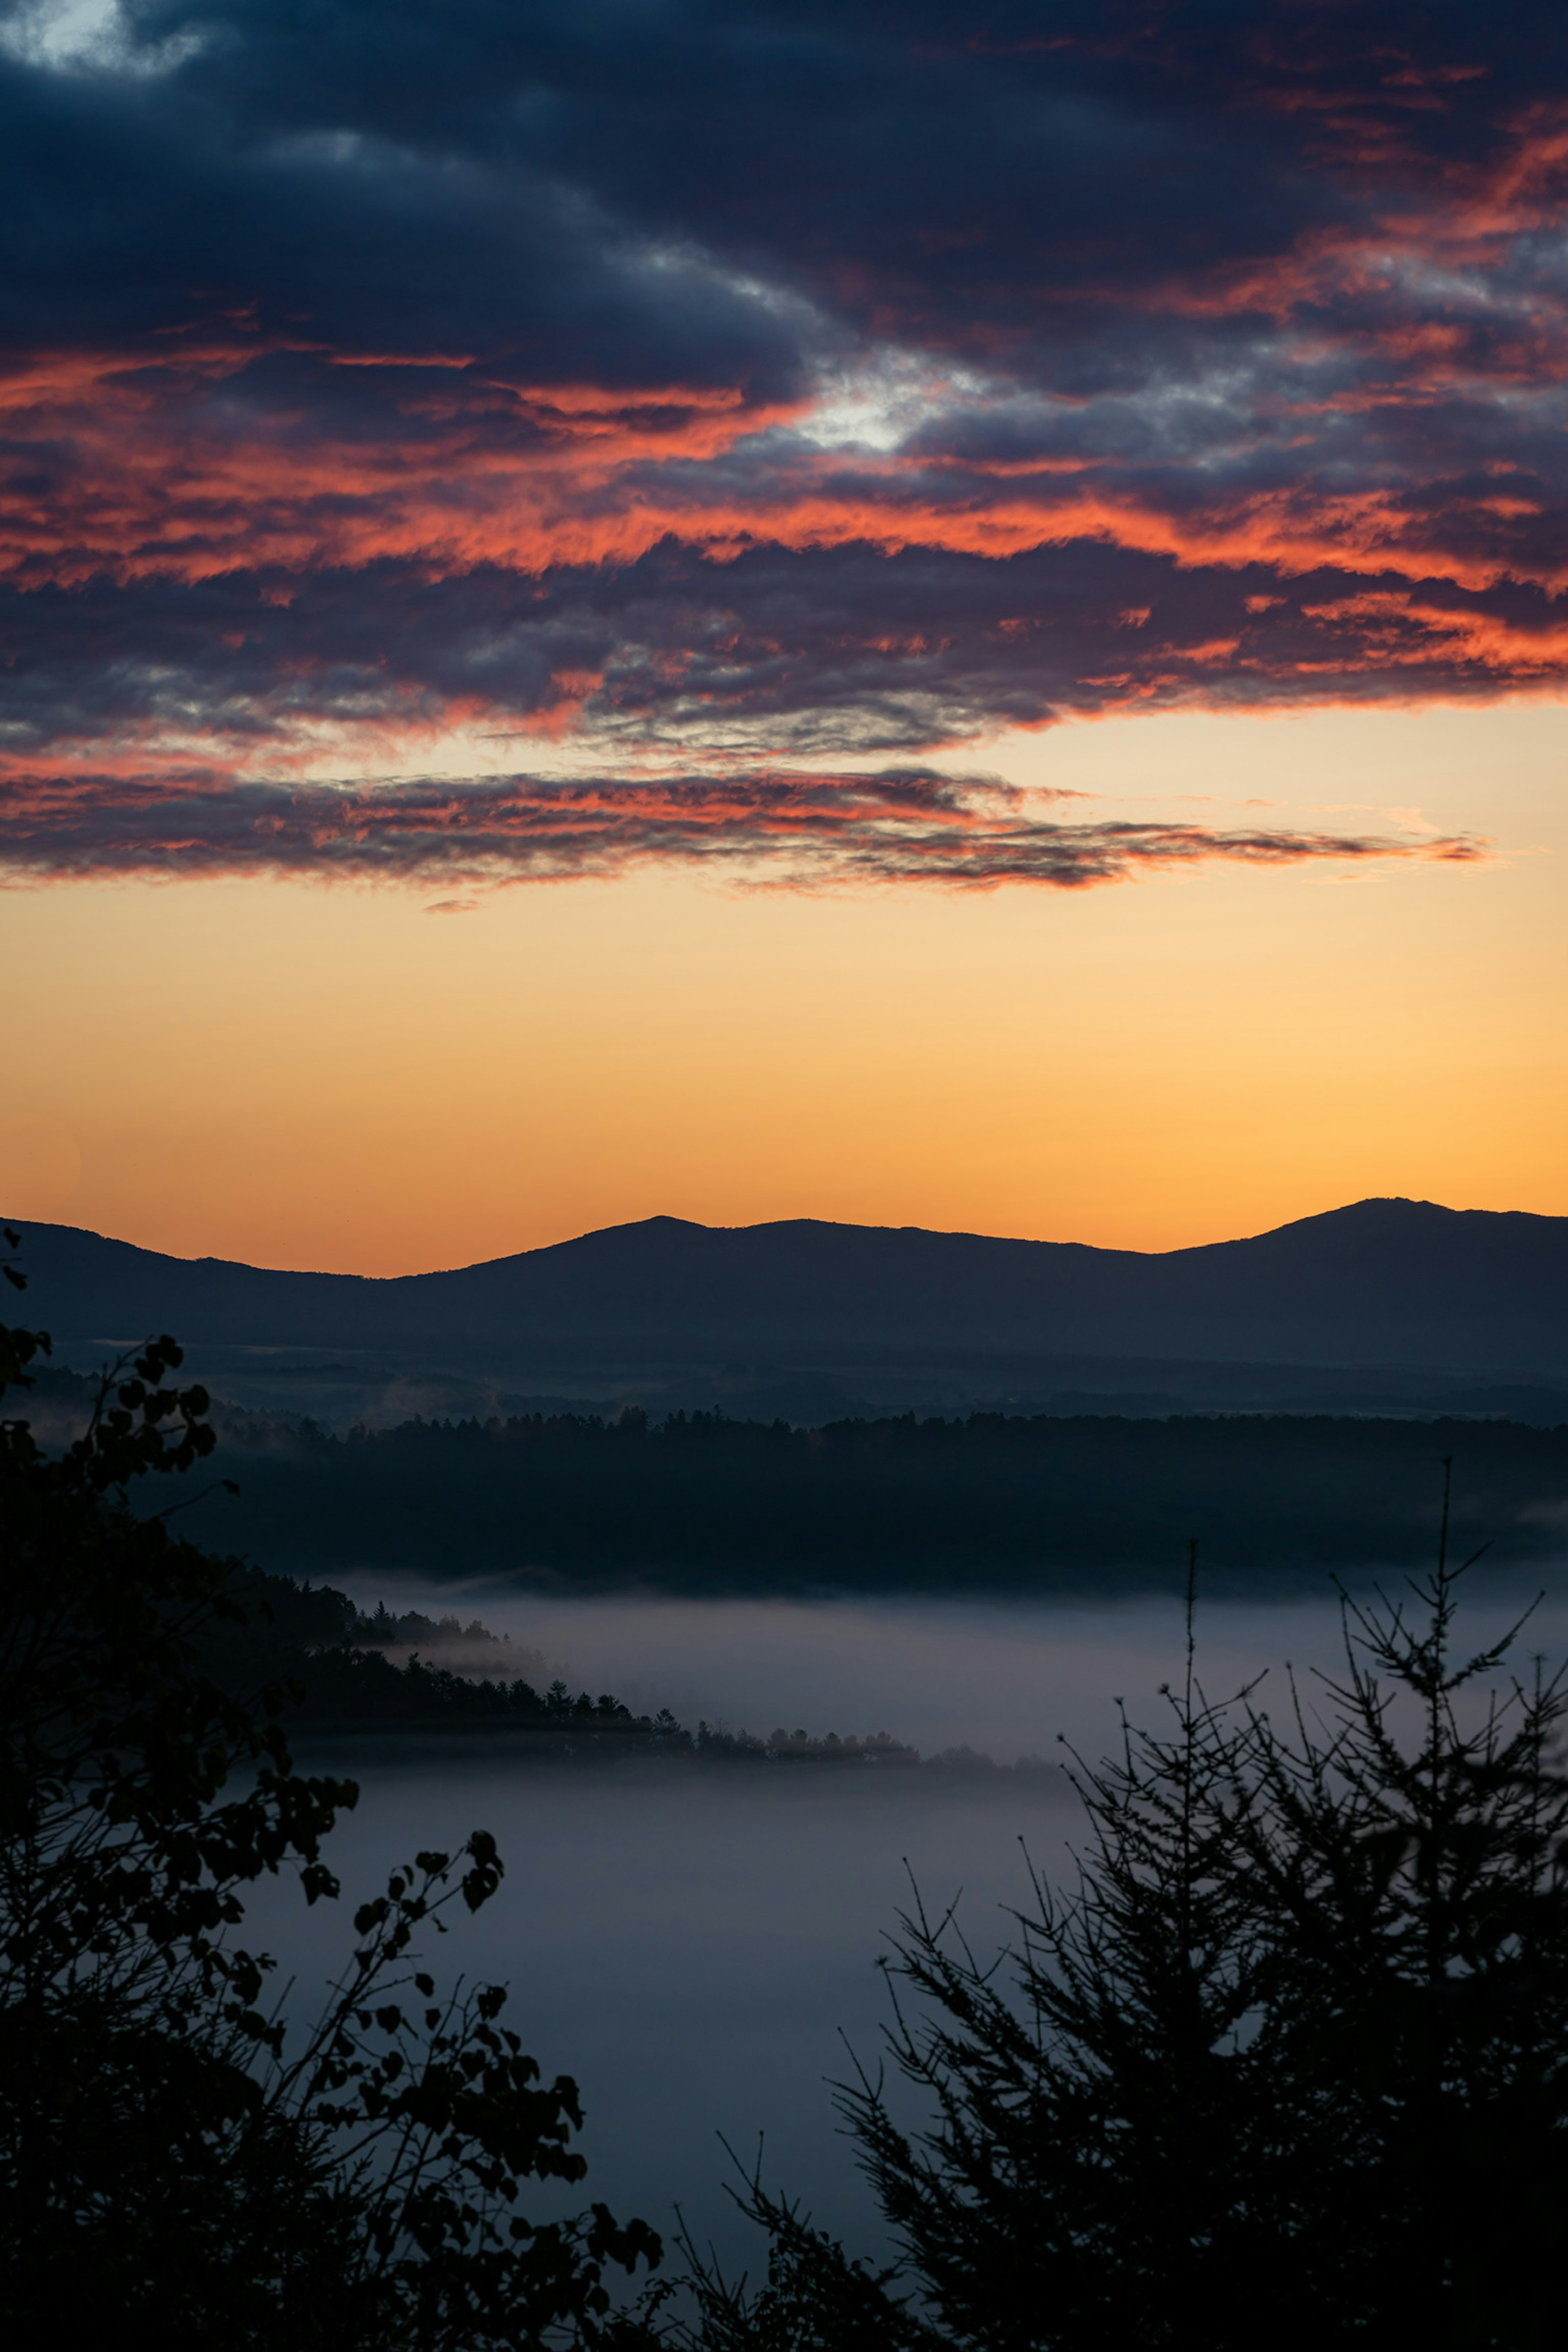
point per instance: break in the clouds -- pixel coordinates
(742, 382)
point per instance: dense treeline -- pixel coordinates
(330, 1657)
(705, 1503)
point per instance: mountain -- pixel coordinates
(1382, 1282)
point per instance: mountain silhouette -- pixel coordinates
(1383, 1281)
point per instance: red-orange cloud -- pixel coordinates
(152, 475)
(573, 381)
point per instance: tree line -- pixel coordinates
(703, 1504)
(331, 1658)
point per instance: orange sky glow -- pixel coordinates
(747, 619)
(309, 1074)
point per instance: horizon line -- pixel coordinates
(766, 1225)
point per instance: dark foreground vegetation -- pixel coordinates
(702, 1504)
(1287, 2065)
(180, 2163)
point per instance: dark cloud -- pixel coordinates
(902, 825)
(825, 650)
(967, 172)
(831, 378)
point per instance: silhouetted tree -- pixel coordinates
(1409, 1854)
(1287, 2065)
(175, 2165)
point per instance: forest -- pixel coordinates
(699, 1503)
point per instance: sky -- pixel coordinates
(912, 612)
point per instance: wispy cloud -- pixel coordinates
(903, 825)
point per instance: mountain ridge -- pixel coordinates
(1382, 1280)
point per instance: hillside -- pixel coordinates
(1381, 1283)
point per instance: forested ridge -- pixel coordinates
(332, 1659)
(700, 1502)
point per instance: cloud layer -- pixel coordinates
(910, 825)
(745, 381)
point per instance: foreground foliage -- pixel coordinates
(1288, 2066)
(174, 2162)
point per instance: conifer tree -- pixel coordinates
(1285, 2064)
(1408, 1850)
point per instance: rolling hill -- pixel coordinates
(1380, 1283)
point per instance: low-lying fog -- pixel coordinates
(691, 1940)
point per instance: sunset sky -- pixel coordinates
(914, 613)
